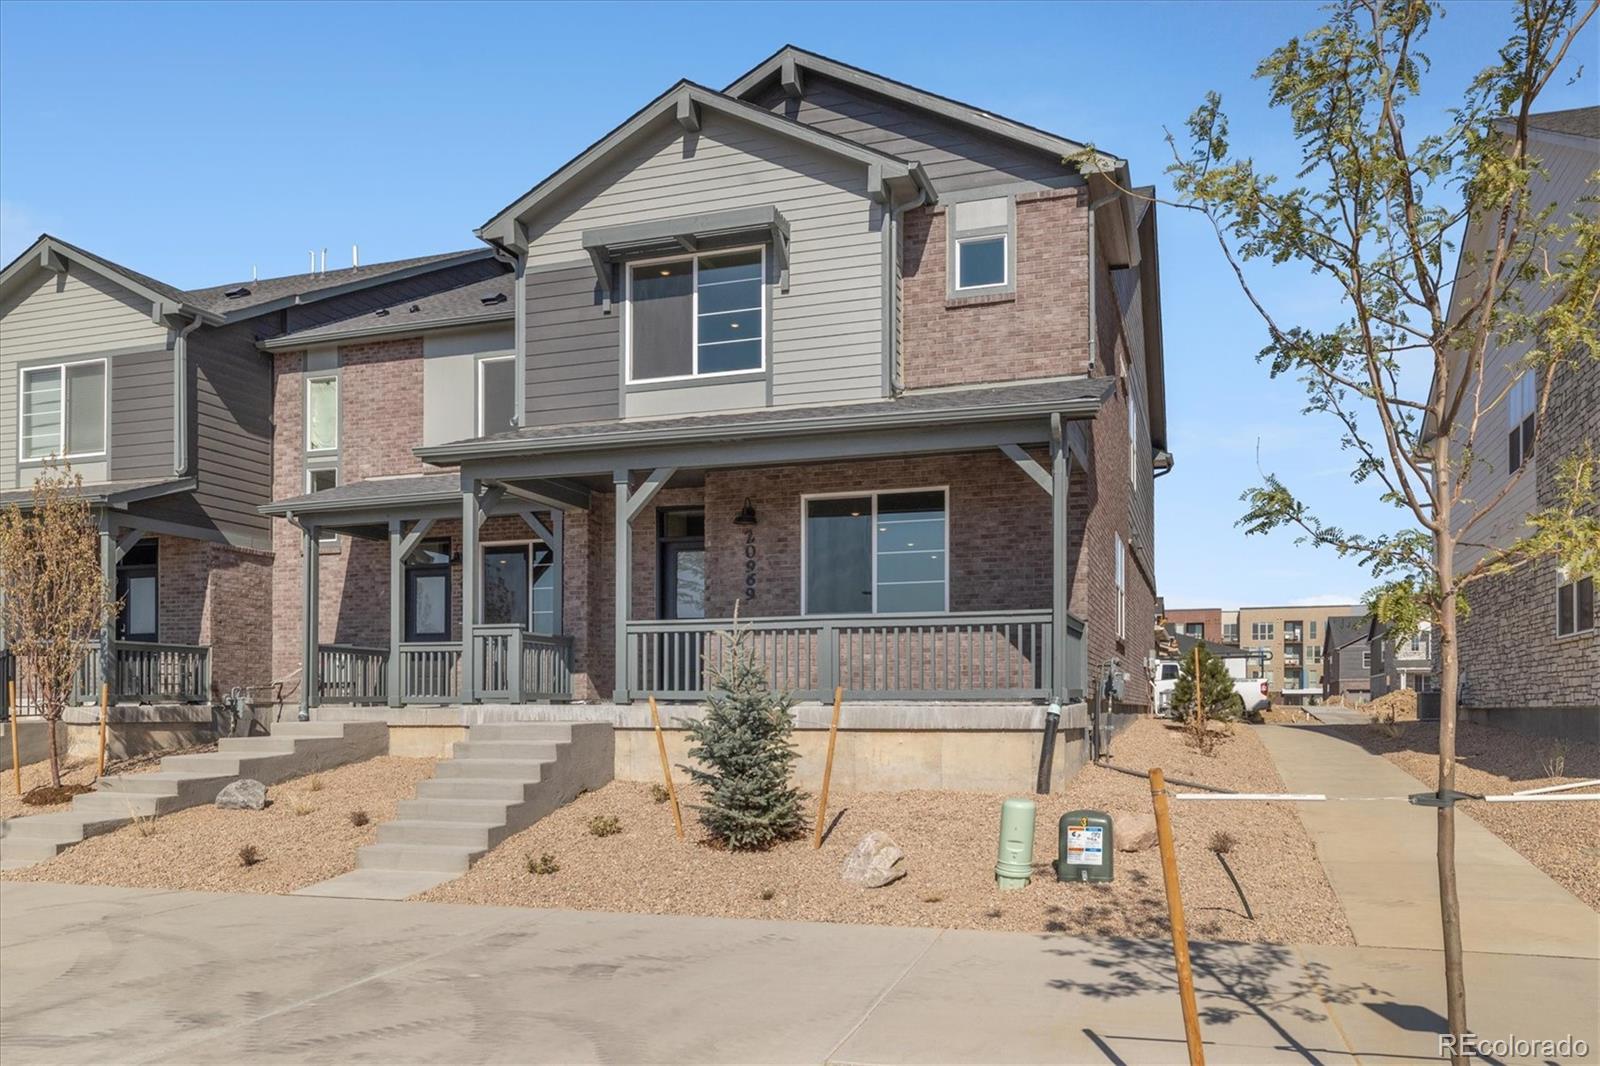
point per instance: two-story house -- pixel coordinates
(1347, 658)
(1397, 663)
(160, 399)
(1529, 650)
(878, 371)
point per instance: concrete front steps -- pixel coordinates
(293, 749)
(500, 780)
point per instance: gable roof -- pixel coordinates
(46, 251)
(686, 98)
(763, 73)
(1345, 629)
(1576, 121)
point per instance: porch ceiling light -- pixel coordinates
(746, 515)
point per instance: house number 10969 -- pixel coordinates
(750, 565)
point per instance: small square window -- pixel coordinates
(981, 262)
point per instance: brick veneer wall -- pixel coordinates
(1509, 653)
(1037, 332)
(218, 595)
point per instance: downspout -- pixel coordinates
(180, 392)
(518, 264)
(896, 214)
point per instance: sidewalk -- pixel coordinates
(92, 974)
(1379, 857)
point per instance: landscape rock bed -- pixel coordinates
(304, 835)
(1562, 839)
(949, 839)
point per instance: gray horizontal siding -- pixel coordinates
(231, 427)
(954, 156)
(572, 348)
(141, 423)
(827, 330)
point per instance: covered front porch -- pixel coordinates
(618, 572)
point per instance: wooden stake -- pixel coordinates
(1199, 707)
(827, 770)
(16, 759)
(1180, 935)
(105, 698)
(666, 768)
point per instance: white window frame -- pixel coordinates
(805, 550)
(1121, 564)
(66, 417)
(511, 358)
(1594, 624)
(1133, 441)
(1005, 261)
(338, 412)
(324, 536)
(694, 317)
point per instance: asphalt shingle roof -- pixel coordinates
(1578, 121)
(1344, 629)
(265, 290)
(461, 302)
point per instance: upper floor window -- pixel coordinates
(1230, 632)
(982, 247)
(497, 394)
(63, 410)
(1521, 403)
(698, 316)
(880, 552)
(1133, 441)
(1575, 607)
(1262, 630)
(320, 479)
(322, 413)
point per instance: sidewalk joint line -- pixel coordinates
(878, 1001)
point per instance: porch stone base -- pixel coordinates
(962, 747)
(139, 729)
(33, 740)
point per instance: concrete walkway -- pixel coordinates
(90, 974)
(1379, 856)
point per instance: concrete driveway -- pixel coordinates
(93, 974)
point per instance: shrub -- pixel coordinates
(544, 864)
(300, 805)
(359, 818)
(768, 893)
(604, 825)
(314, 783)
(1222, 842)
(659, 793)
(1555, 759)
(745, 755)
(249, 855)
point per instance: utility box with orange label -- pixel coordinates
(1086, 847)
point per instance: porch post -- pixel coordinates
(1060, 470)
(108, 581)
(396, 611)
(469, 587)
(624, 572)
(312, 550)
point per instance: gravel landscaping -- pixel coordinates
(949, 839)
(1562, 839)
(304, 835)
(78, 770)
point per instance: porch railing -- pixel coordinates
(976, 655)
(520, 667)
(140, 670)
(347, 673)
(430, 673)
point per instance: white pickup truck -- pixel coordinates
(1250, 694)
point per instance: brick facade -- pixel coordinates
(1039, 331)
(221, 596)
(1509, 653)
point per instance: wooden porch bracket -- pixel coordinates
(1029, 465)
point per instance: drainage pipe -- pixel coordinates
(1047, 748)
(1144, 775)
(180, 390)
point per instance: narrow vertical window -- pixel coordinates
(497, 394)
(1120, 562)
(322, 414)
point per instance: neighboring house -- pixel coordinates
(1292, 640)
(1403, 663)
(1530, 649)
(878, 371)
(1347, 658)
(1203, 622)
(160, 400)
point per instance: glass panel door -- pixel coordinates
(138, 588)
(505, 585)
(427, 603)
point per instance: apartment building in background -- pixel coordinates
(1202, 622)
(1293, 638)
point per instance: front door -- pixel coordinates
(138, 590)
(683, 563)
(505, 585)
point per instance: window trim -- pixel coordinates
(1120, 577)
(483, 361)
(694, 319)
(61, 376)
(1594, 620)
(873, 494)
(325, 537)
(338, 411)
(527, 545)
(956, 236)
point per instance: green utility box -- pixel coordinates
(1086, 847)
(1014, 864)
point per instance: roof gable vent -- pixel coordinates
(381, 312)
(490, 301)
(234, 294)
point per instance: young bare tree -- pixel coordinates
(56, 601)
(1379, 209)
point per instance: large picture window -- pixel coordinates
(63, 410)
(882, 553)
(698, 316)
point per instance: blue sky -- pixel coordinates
(195, 142)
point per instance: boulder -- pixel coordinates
(1134, 830)
(244, 794)
(874, 862)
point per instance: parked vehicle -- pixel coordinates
(1250, 694)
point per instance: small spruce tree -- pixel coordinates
(1216, 687)
(745, 754)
